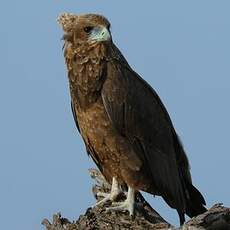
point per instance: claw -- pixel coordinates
(127, 205)
(115, 191)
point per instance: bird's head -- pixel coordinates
(87, 28)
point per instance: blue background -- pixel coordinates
(181, 48)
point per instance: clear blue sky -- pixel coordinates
(182, 48)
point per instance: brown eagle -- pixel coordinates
(125, 126)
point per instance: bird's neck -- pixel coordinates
(86, 72)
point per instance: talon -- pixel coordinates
(127, 205)
(115, 191)
(102, 194)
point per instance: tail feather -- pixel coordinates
(194, 201)
(182, 217)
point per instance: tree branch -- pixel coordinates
(216, 218)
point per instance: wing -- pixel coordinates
(75, 116)
(89, 149)
(138, 114)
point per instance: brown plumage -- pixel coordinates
(126, 128)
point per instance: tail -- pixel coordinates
(194, 201)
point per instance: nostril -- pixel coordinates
(103, 33)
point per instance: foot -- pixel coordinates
(127, 205)
(112, 196)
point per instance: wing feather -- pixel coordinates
(75, 116)
(138, 114)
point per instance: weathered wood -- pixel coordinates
(216, 218)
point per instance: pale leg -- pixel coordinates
(115, 191)
(127, 205)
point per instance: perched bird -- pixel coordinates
(125, 126)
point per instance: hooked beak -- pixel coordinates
(100, 34)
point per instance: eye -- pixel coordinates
(88, 29)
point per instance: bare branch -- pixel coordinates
(216, 218)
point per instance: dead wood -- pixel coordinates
(216, 218)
